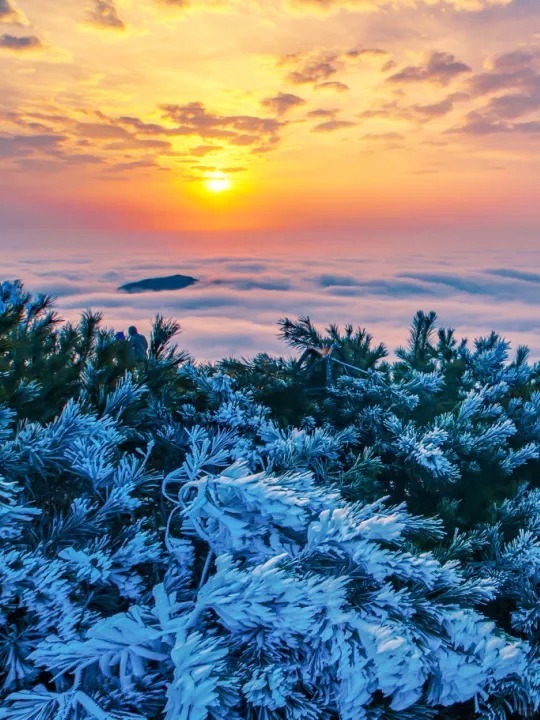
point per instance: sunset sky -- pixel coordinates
(354, 160)
(214, 115)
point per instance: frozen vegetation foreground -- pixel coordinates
(278, 539)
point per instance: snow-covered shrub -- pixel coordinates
(172, 547)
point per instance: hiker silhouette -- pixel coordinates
(138, 344)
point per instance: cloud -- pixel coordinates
(439, 68)
(282, 103)
(14, 146)
(383, 137)
(513, 106)
(120, 167)
(105, 14)
(6, 10)
(159, 147)
(381, 296)
(203, 150)
(516, 275)
(243, 140)
(320, 68)
(479, 123)
(392, 287)
(369, 53)
(130, 143)
(245, 266)
(313, 72)
(390, 109)
(11, 14)
(332, 85)
(509, 91)
(322, 113)
(432, 110)
(389, 5)
(394, 110)
(265, 283)
(336, 280)
(136, 124)
(513, 61)
(101, 131)
(516, 70)
(20, 44)
(510, 286)
(194, 119)
(332, 125)
(83, 159)
(420, 112)
(195, 5)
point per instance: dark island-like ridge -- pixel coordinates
(159, 284)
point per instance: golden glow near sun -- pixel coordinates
(218, 184)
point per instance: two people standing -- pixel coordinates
(138, 344)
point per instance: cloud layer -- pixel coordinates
(235, 306)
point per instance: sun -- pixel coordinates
(218, 184)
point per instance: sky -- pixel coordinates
(367, 112)
(363, 138)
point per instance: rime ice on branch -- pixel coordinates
(171, 545)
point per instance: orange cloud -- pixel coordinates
(283, 103)
(20, 44)
(105, 14)
(9, 13)
(439, 67)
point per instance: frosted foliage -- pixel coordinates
(271, 622)
(171, 547)
(11, 295)
(272, 597)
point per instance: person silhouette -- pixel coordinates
(138, 344)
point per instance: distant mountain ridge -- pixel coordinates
(159, 284)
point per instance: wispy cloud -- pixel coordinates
(107, 139)
(332, 85)
(332, 125)
(382, 5)
(439, 68)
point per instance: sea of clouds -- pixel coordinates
(240, 296)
